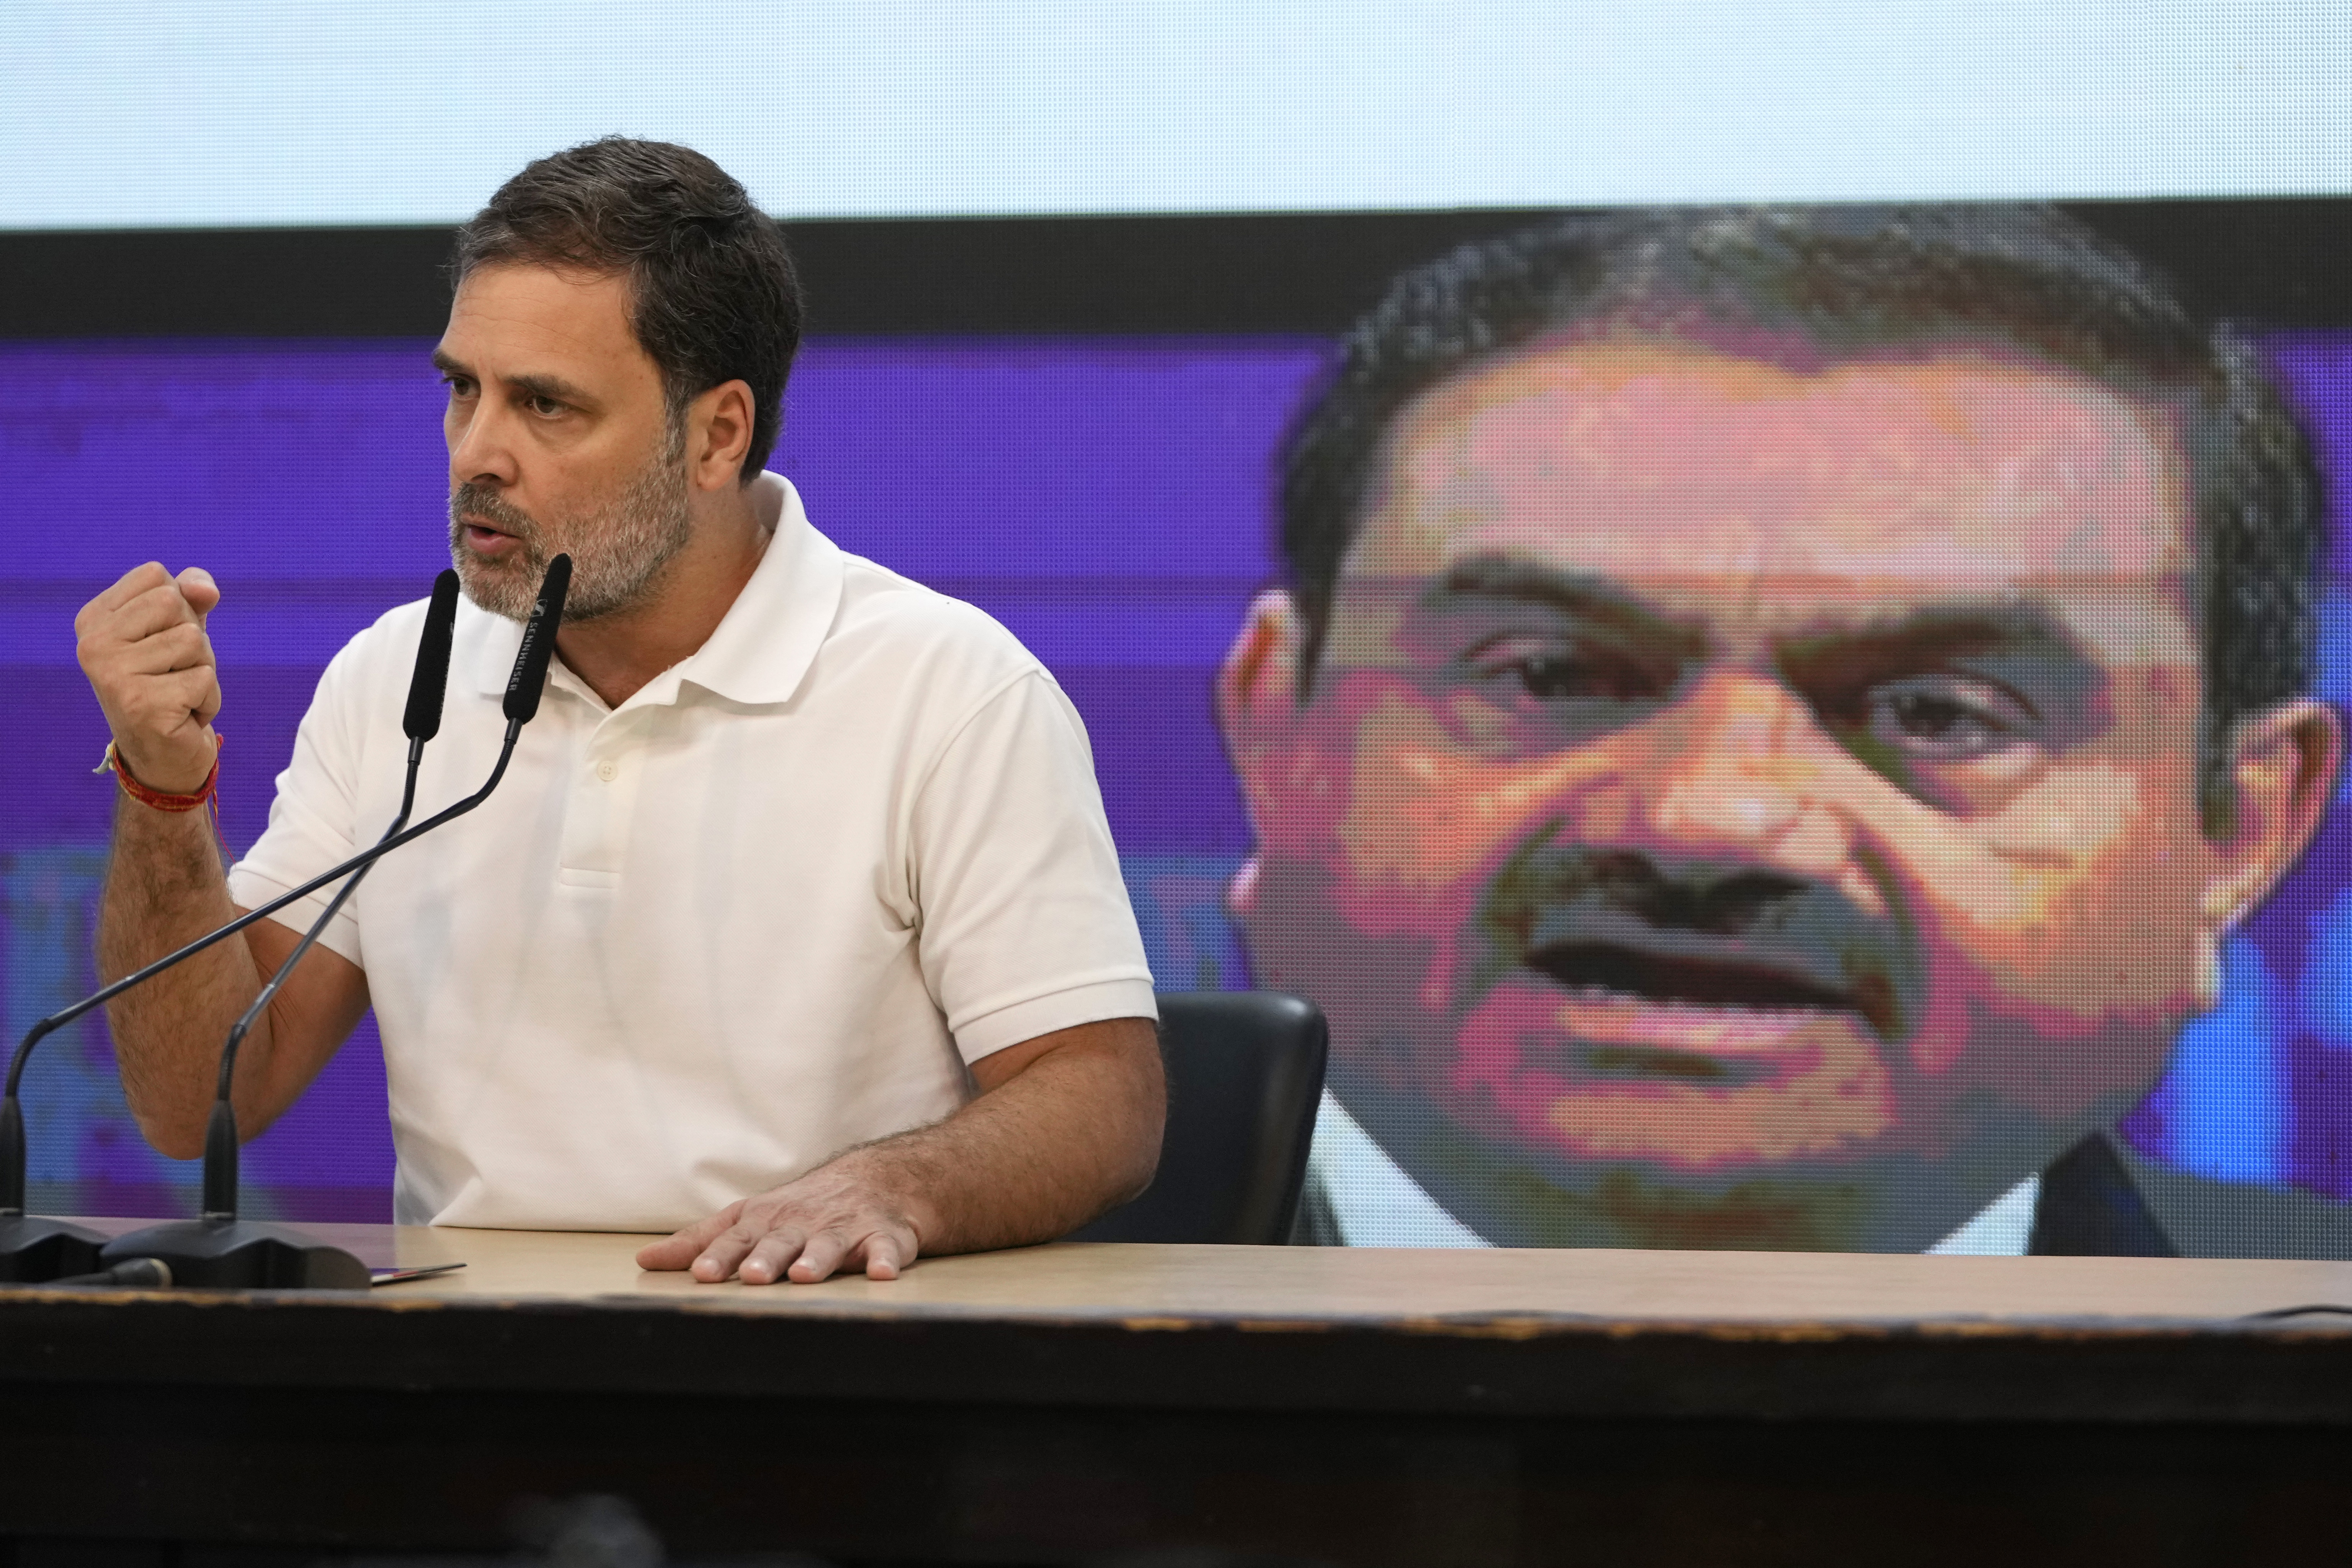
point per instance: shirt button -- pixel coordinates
(608, 771)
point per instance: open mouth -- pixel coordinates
(1693, 981)
(1696, 1010)
(1651, 1024)
(483, 536)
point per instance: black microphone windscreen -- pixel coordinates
(538, 649)
(430, 684)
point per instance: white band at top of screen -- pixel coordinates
(140, 114)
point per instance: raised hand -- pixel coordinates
(143, 649)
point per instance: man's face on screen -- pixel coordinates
(560, 441)
(1741, 805)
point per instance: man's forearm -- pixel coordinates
(1072, 1134)
(164, 888)
(1068, 1125)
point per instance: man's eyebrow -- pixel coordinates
(1587, 595)
(539, 385)
(536, 384)
(2006, 625)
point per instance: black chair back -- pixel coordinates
(1244, 1076)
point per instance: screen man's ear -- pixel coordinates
(2282, 766)
(1290, 763)
(1257, 691)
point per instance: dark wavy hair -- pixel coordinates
(1853, 280)
(717, 298)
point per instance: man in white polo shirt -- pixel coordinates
(795, 926)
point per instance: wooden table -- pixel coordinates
(1351, 1405)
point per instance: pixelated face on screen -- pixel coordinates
(1741, 787)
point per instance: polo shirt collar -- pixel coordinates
(762, 646)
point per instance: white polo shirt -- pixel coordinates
(769, 907)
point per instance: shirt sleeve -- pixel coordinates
(311, 821)
(1025, 926)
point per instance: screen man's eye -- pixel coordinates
(1946, 718)
(1519, 693)
(544, 406)
(459, 385)
(1547, 671)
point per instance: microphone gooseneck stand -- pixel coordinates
(34, 1248)
(220, 1250)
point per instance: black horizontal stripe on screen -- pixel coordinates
(2273, 261)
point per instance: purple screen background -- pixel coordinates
(1107, 499)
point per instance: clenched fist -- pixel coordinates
(143, 646)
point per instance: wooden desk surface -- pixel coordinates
(1344, 1404)
(1555, 1334)
(1122, 1281)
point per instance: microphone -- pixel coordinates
(537, 650)
(34, 1248)
(421, 719)
(219, 1250)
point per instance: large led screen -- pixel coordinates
(1808, 729)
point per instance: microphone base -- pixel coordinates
(33, 1249)
(239, 1254)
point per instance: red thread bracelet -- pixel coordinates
(112, 762)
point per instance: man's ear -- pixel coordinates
(1257, 709)
(2282, 767)
(1258, 700)
(718, 436)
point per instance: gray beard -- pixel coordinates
(619, 552)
